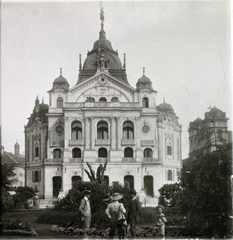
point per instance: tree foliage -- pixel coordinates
(99, 200)
(206, 188)
(99, 177)
(167, 193)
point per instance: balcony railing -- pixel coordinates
(76, 142)
(56, 143)
(75, 160)
(53, 161)
(145, 143)
(128, 160)
(127, 141)
(102, 142)
(101, 160)
(152, 160)
(101, 104)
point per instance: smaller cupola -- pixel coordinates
(165, 107)
(61, 83)
(144, 83)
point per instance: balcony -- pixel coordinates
(101, 160)
(76, 142)
(127, 141)
(146, 143)
(75, 160)
(56, 143)
(152, 160)
(129, 160)
(53, 161)
(102, 142)
(102, 104)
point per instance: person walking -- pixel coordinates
(85, 209)
(135, 210)
(115, 212)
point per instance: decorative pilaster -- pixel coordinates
(92, 133)
(137, 119)
(118, 132)
(113, 136)
(87, 133)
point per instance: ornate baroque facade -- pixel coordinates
(102, 117)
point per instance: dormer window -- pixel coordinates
(102, 99)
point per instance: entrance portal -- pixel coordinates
(56, 186)
(148, 185)
(129, 181)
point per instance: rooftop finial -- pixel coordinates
(101, 12)
(102, 32)
(80, 61)
(143, 70)
(42, 100)
(163, 100)
(124, 65)
(60, 71)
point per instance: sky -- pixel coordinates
(183, 45)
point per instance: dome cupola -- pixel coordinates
(144, 83)
(60, 83)
(102, 57)
(166, 107)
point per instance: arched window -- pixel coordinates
(102, 130)
(169, 150)
(57, 153)
(129, 181)
(102, 153)
(128, 130)
(128, 152)
(90, 99)
(114, 99)
(145, 102)
(36, 150)
(148, 153)
(36, 176)
(102, 99)
(76, 153)
(75, 180)
(59, 102)
(76, 130)
(169, 175)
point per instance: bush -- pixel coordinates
(71, 202)
(6, 201)
(21, 196)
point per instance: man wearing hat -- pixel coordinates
(113, 210)
(85, 209)
(134, 210)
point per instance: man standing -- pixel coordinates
(134, 210)
(85, 209)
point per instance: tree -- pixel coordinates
(99, 178)
(206, 190)
(167, 193)
(7, 179)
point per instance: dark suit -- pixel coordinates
(134, 210)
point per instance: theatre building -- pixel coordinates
(102, 118)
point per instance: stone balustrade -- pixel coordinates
(102, 142)
(75, 160)
(53, 161)
(76, 142)
(127, 141)
(145, 143)
(101, 104)
(129, 160)
(152, 160)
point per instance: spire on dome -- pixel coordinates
(143, 71)
(124, 64)
(80, 61)
(60, 71)
(102, 32)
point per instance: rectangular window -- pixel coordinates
(169, 150)
(36, 151)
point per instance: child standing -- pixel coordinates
(161, 221)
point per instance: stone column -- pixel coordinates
(92, 133)
(137, 135)
(118, 132)
(87, 134)
(113, 136)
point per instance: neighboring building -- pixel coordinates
(208, 134)
(102, 118)
(16, 160)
